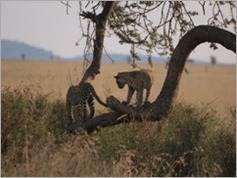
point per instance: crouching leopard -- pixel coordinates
(136, 81)
(77, 99)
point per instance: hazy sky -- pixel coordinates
(45, 24)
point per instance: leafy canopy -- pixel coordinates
(152, 25)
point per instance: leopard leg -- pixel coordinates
(129, 96)
(147, 94)
(84, 111)
(70, 112)
(78, 112)
(139, 97)
(91, 106)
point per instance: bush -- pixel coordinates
(187, 143)
(190, 142)
(28, 120)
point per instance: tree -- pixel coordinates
(23, 56)
(100, 27)
(213, 60)
(130, 22)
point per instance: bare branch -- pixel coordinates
(108, 56)
(67, 5)
(90, 16)
(188, 14)
(203, 6)
(95, 7)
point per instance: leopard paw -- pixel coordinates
(125, 103)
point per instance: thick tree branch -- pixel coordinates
(190, 41)
(107, 9)
(90, 15)
(104, 120)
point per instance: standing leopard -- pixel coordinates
(78, 97)
(136, 81)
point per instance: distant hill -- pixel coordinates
(17, 50)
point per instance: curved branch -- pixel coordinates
(189, 42)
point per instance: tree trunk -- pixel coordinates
(100, 21)
(163, 104)
(181, 53)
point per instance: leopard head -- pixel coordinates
(120, 81)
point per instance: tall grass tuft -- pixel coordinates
(190, 142)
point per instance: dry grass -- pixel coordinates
(215, 85)
(190, 142)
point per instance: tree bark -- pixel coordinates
(163, 104)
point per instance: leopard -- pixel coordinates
(78, 98)
(138, 81)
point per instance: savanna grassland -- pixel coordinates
(197, 139)
(204, 84)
